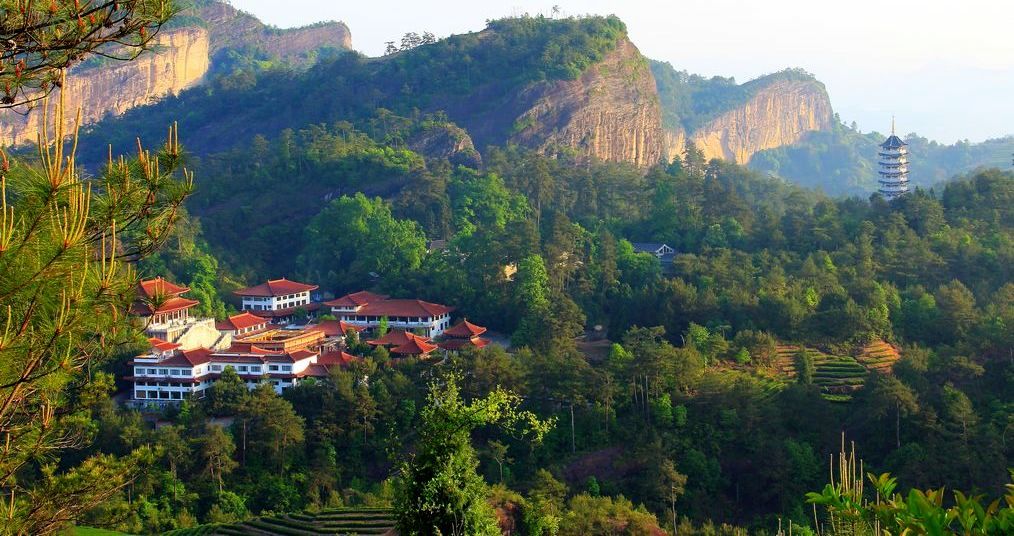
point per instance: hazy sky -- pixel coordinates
(945, 69)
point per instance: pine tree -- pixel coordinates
(43, 39)
(66, 283)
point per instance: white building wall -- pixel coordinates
(274, 303)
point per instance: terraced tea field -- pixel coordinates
(340, 522)
(879, 356)
(838, 376)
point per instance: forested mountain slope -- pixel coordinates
(843, 160)
(573, 85)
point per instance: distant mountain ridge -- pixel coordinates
(181, 57)
(577, 85)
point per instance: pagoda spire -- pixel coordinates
(893, 166)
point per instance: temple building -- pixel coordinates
(187, 355)
(405, 343)
(242, 323)
(461, 335)
(278, 299)
(166, 316)
(368, 310)
(893, 155)
(283, 357)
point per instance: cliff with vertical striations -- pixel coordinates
(177, 61)
(610, 112)
(779, 113)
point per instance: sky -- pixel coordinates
(944, 69)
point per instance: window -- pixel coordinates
(139, 394)
(273, 368)
(152, 371)
(164, 371)
(255, 369)
(242, 368)
(216, 367)
(286, 368)
(175, 395)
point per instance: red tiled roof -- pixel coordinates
(174, 303)
(404, 308)
(276, 287)
(197, 356)
(161, 345)
(336, 358)
(396, 338)
(334, 328)
(457, 344)
(299, 355)
(151, 288)
(241, 321)
(315, 371)
(416, 346)
(356, 299)
(246, 359)
(464, 330)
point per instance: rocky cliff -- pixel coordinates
(610, 112)
(232, 28)
(778, 114)
(179, 60)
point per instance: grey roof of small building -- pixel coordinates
(650, 247)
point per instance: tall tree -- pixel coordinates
(65, 290)
(439, 491)
(890, 396)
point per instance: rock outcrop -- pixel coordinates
(445, 140)
(180, 58)
(610, 112)
(177, 61)
(778, 114)
(232, 28)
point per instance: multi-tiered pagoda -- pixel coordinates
(893, 167)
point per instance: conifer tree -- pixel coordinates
(66, 282)
(43, 39)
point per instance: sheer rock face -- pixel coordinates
(178, 61)
(232, 28)
(610, 112)
(777, 115)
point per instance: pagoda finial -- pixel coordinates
(892, 125)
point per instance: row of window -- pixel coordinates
(162, 395)
(284, 305)
(280, 298)
(145, 394)
(252, 369)
(391, 319)
(139, 371)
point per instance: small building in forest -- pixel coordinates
(369, 311)
(166, 316)
(462, 335)
(278, 299)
